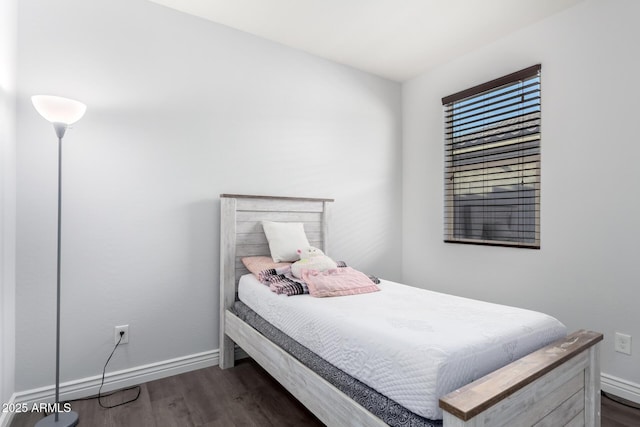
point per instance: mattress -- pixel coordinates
(411, 345)
(392, 413)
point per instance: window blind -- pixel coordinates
(492, 162)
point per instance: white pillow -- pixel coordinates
(285, 238)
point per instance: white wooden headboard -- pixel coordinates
(241, 235)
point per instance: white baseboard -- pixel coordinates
(619, 387)
(112, 381)
(116, 380)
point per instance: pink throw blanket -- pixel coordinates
(338, 282)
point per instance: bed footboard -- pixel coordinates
(556, 385)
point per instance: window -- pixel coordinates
(492, 162)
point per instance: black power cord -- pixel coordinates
(124, 389)
(100, 395)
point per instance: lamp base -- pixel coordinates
(65, 419)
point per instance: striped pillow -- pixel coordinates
(256, 264)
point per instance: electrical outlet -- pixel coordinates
(116, 334)
(623, 343)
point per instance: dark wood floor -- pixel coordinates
(243, 396)
(615, 414)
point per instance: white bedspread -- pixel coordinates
(410, 344)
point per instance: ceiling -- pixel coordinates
(396, 39)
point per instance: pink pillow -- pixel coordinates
(256, 264)
(338, 282)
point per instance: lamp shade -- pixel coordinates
(57, 109)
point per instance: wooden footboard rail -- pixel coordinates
(330, 405)
(557, 385)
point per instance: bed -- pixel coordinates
(558, 384)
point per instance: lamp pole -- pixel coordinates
(58, 270)
(61, 112)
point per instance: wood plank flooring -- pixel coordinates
(615, 414)
(242, 396)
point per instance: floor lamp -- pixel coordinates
(61, 112)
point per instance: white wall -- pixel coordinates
(587, 271)
(179, 111)
(8, 45)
